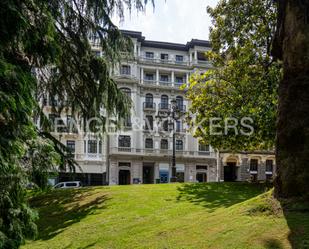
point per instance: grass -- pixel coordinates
(226, 215)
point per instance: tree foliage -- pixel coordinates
(244, 79)
(49, 41)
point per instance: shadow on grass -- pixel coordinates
(296, 213)
(273, 244)
(62, 208)
(216, 195)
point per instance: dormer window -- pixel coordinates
(164, 57)
(179, 58)
(179, 79)
(149, 55)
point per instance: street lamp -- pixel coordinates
(174, 113)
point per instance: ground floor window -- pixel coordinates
(253, 165)
(269, 165)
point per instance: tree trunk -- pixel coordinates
(292, 145)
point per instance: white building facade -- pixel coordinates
(141, 152)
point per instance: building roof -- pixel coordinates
(165, 45)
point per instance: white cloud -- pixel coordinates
(171, 20)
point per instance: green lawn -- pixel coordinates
(226, 215)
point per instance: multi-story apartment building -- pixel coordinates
(141, 152)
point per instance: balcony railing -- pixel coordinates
(164, 61)
(165, 83)
(164, 107)
(149, 106)
(89, 156)
(150, 82)
(181, 108)
(126, 72)
(160, 152)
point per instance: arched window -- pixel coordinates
(164, 102)
(126, 91)
(179, 102)
(149, 143)
(165, 125)
(164, 144)
(149, 100)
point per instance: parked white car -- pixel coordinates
(75, 184)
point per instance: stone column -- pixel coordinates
(157, 76)
(142, 76)
(156, 171)
(113, 174)
(261, 171)
(173, 78)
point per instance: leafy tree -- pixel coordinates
(41, 161)
(243, 82)
(291, 46)
(48, 40)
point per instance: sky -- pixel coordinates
(171, 20)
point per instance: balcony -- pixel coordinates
(149, 106)
(165, 83)
(164, 107)
(89, 157)
(163, 61)
(160, 152)
(181, 108)
(150, 82)
(124, 149)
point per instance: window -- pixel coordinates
(165, 125)
(179, 145)
(71, 146)
(201, 167)
(178, 126)
(179, 79)
(253, 165)
(179, 58)
(149, 76)
(71, 124)
(149, 100)
(201, 56)
(96, 53)
(92, 146)
(179, 102)
(149, 55)
(164, 77)
(164, 56)
(203, 147)
(57, 122)
(127, 121)
(269, 165)
(53, 100)
(149, 122)
(124, 141)
(149, 143)
(164, 102)
(124, 164)
(126, 91)
(164, 144)
(125, 69)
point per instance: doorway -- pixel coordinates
(148, 174)
(124, 177)
(201, 177)
(230, 172)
